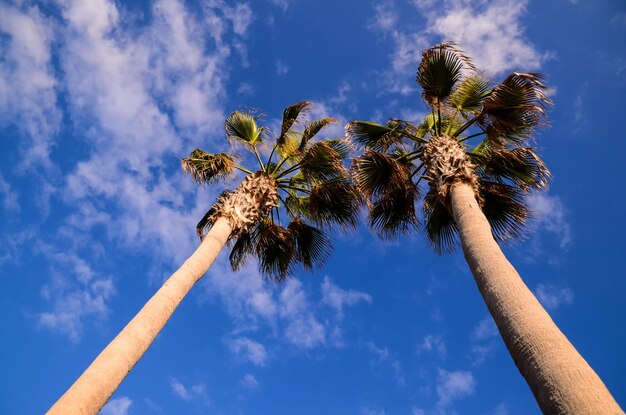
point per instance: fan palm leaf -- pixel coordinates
(312, 246)
(312, 129)
(242, 127)
(206, 168)
(440, 69)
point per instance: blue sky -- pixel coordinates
(100, 99)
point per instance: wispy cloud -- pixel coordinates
(28, 86)
(432, 343)
(249, 381)
(452, 386)
(281, 68)
(117, 406)
(552, 296)
(10, 199)
(549, 214)
(336, 297)
(483, 340)
(248, 350)
(194, 392)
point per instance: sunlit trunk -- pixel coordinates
(96, 385)
(561, 380)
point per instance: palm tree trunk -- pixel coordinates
(560, 379)
(96, 385)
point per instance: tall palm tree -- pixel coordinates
(476, 194)
(303, 180)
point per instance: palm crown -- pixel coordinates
(308, 176)
(502, 167)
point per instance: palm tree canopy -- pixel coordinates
(315, 191)
(485, 127)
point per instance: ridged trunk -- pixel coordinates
(232, 213)
(560, 379)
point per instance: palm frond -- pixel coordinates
(372, 135)
(468, 96)
(516, 105)
(393, 213)
(521, 165)
(312, 246)
(312, 129)
(321, 162)
(439, 225)
(243, 248)
(242, 127)
(206, 167)
(504, 207)
(275, 250)
(442, 66)
(375, 172)
(290, 118)
(335, 202)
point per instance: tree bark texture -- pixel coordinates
(559, 377)
(96, 385)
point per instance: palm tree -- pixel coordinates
(303, 180)
(476, 194)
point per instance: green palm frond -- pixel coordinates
(504, 207)
(207, 220)
(516, 105)
(439, 225)
(376, 172)
(372, 135)
(321, 162)
(312, 246)
(275, 250)
(206, 167)
(521, 165)
(298, 205)
(393, 213)
(242, 127)
(468, 96)
(336, 201)
(313, 128)
(290, 118)
(243, 248)
(441, 68)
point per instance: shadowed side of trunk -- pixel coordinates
(96, 385)
(559, 377)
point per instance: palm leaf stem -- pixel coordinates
(456, 112)
(286, 206)
(295, 188)
(416, 171)
(243, 169)
(467, 124)
(439, 115)
(269, 159)
(471, 136)
(289, 170)
(279, 165)
(256, 153)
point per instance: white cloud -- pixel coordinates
(283, 4)
(28, 88)
(491, 32)
(432, 343)
(9, 196)
(336, 297)
(189, 393)
(452, 386)
(483, 340)
(484, 330)
(549, 215)
(117, 406)
(76, 297)
(281, 68)
(619, 19)
(552, 297)
(249, 381)
(248, 350)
